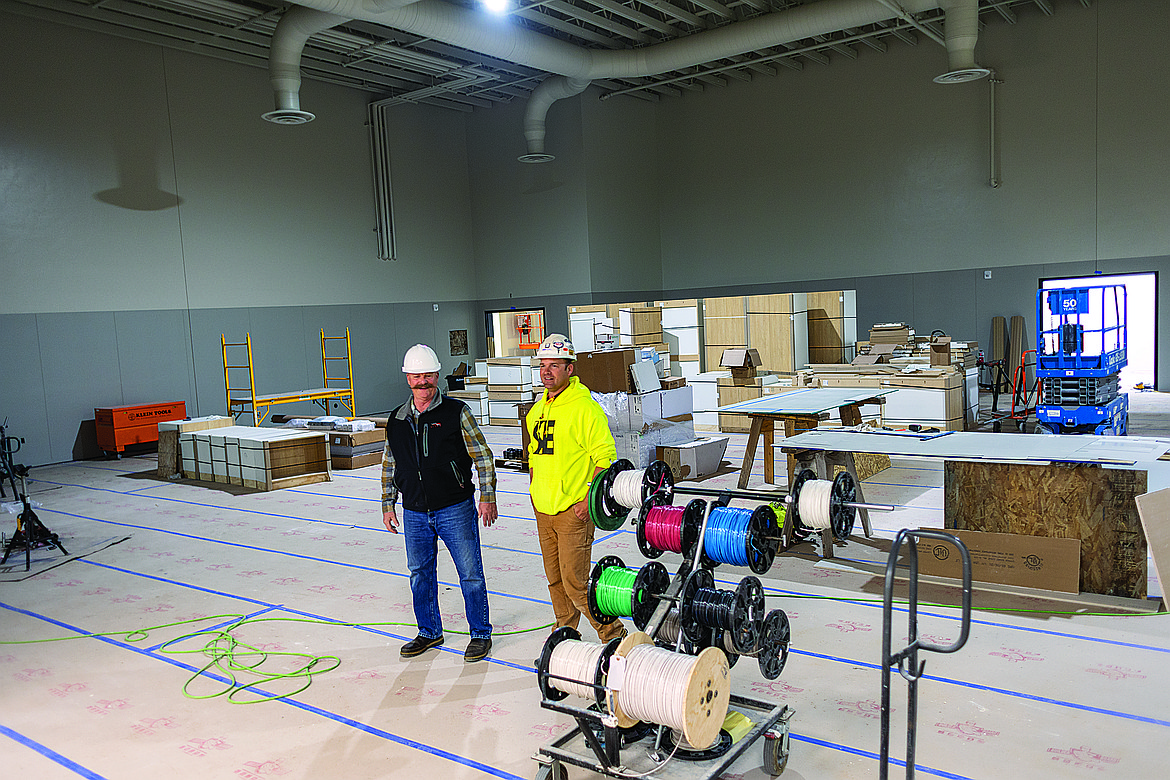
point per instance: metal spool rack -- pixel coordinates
(684, 614)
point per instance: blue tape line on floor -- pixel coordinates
(1026, 629)
(1002, 691)
(283, 608)
(255, 548)
(435, 751)
(50, 754)
(877, 757)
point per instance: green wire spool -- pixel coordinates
(615, 591)
(607, 514)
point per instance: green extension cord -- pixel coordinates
(231, 657)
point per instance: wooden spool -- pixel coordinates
(707, 692)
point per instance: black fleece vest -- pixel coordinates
(432, 469)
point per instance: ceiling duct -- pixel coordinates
(284, 60)
(500, 38)
(549, 91)
(962, 31)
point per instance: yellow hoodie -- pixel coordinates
(569, 439)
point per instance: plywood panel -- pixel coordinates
(772, 336)
(1088, 503)
(776, 303)
(724, 323)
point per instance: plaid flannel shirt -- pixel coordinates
(477, 448)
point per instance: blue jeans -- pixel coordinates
(458, 527)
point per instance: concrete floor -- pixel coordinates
(1043, 694)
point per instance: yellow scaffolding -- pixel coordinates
(242, 399)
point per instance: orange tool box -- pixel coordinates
(118, 426)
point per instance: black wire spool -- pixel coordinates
(763, 541)
(841, 511)
(544, 678)
(773, 653)
(606, 513)
(627, 736)
(720, 748)
(651, 581)
(691, 519)
(800, 531)
(658, 478)
(739, 613)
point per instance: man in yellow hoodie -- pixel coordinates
(570, 443)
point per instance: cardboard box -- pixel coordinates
(699, 458)
(357, 461)
(674, 382)
(940, 350)
(1043, 562)
(607, 371)
(740, 358)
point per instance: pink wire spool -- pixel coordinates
(665, 528)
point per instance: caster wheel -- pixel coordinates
(775, 751)
(995, 426)
(552, 771)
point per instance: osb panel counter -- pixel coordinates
(1068, 501)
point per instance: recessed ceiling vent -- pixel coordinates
(961, 75)
(288, 116)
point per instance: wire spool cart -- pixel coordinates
(657, 700)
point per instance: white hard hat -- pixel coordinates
(557, 346)
(420, 359)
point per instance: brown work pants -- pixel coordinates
(566, 543)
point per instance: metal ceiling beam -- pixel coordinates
(715, 8)
(597, 20)
(870, 41)
(576, 30)
(637, 17)
(670, 9)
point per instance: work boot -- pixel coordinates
(477, 650)
(419, 645)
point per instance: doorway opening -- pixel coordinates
(513, 332)
(1141, 297)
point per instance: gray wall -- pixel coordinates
(145, 208)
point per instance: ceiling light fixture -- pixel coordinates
(498, 6)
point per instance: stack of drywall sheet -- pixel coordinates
(262, 458)
(509, 384)
(169, 458)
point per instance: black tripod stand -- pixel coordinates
(30, 531)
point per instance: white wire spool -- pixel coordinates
(577, 661)
(813, 504)
(627, 488)
(688, 693)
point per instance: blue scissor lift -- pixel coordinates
(1080, 348)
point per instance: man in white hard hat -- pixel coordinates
(431, 443)
(570, 443)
